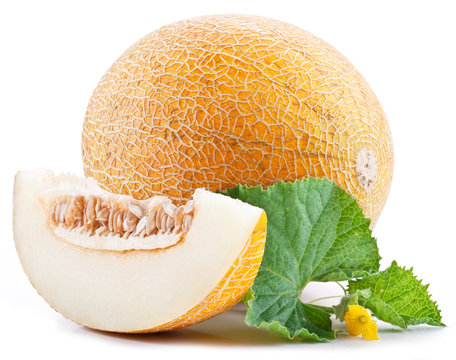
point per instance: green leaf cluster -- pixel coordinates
(317, 232)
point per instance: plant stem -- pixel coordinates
(324, 298)
(344, 289)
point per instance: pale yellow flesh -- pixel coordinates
(128, 290)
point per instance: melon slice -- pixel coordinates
(114, 263)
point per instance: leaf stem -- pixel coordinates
(326, 297)
(343, 288)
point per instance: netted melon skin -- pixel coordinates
(223, 100)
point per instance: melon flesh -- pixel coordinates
(136, 288)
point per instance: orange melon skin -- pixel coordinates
(222, 100)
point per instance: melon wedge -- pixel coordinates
(120, 273)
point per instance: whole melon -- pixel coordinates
(218, 101)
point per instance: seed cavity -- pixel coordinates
(95, 215)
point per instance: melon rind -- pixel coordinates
(140, 290)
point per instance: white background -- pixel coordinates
(52, 56)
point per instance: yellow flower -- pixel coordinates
(359, 321)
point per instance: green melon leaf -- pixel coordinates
(396, 296)
(316, 232)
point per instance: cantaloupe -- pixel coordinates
(218, 101)
(114, 263)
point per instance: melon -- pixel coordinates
(217, 101)
(114, 263)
